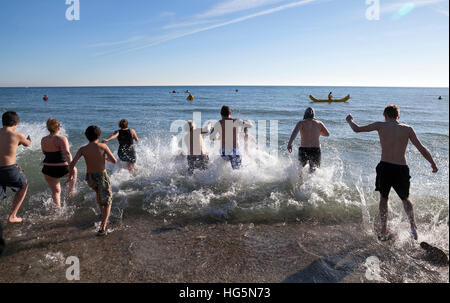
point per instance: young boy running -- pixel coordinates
(97, 178)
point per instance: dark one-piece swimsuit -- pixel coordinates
(55, 171)
(126, 151)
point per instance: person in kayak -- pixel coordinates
(310, 131)
(393, 170)
(126, 137)
(330, 96)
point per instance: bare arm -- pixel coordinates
(293, 136)
(422, 149)
(215, 131)
(115, 135)
(75, 160)
(109, 156)
(362, 129)
(42, 149)
(206, 129)
(24, 141)
(66, 150)
(324, 131)
(246, 123)
(135, 137)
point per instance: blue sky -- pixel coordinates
(224, 42)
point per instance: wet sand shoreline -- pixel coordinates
(144, 250)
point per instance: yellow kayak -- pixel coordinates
(330, 101)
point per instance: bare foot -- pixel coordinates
(71, 195)
(14, 220)
(414, 234)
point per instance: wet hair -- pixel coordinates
(309, 113)
(245, 129)
(190, 124)
(123, 123)
(53, 125)
(225, 111)
(10, 118)
(93, 133)
(392, 111)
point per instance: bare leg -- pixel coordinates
(55, 186)
(106, 210)
(300, 177)
(131, 167)
(71, 183)
(17, 202)
(409, 209)
(383, 214)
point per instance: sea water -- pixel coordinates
(265, 189)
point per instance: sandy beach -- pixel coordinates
(150, 251)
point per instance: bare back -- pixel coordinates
(394, 138)
(9, 142)
(94, 155)
(310, 131)
(56, 143)
(52, 143)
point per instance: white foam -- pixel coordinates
(36, 131)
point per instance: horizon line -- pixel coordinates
(220, 85)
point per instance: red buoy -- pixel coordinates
(45, 98)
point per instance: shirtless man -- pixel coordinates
(310, 131)
(95, 154)
(330, 96)
(393, 170)
(10, 173)
(227, 131)
(248, 140)
(197, 154)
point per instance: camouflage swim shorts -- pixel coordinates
(102, 185)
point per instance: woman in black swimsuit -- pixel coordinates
(57, 160)
(126, 137)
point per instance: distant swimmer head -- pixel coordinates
(392, 111)
(93, 133)
(189, 125)
(123, 124)
(45, 98)
(309, 113)
(225, 111)
(53, 126)
(10, 118)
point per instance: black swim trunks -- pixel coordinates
(11, 176)
(311, 155)
(392, 175)
(55, 171)
(199, 162)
